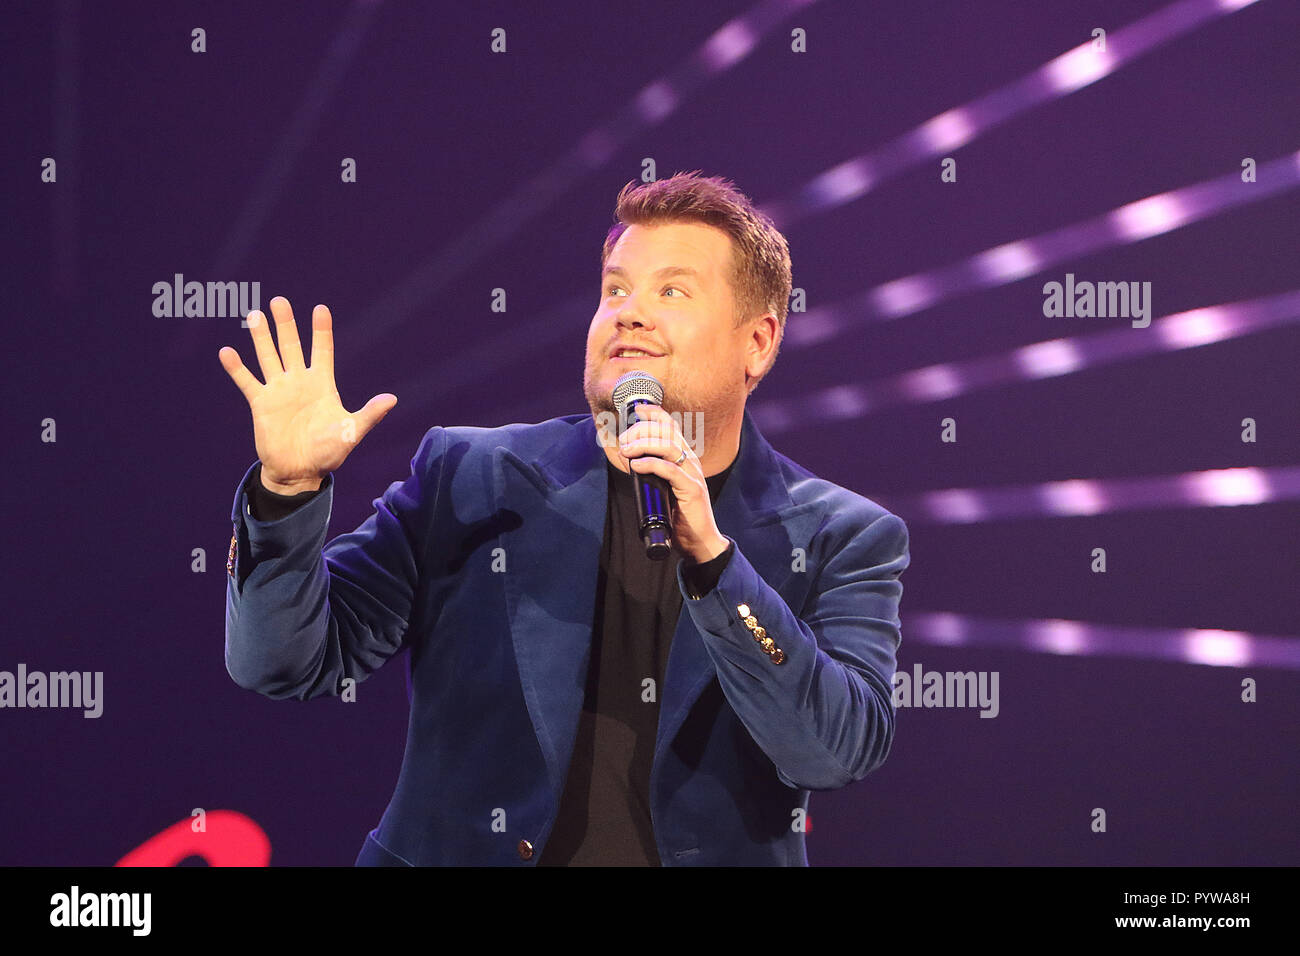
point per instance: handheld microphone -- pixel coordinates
(654, 496)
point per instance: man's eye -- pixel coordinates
(614, 288)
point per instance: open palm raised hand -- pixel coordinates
(300, 427)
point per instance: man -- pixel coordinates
(572, 701)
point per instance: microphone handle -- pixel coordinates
(653, 506)
(654, 503)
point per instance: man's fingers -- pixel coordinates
(373, 412)
(286, 335)
(666, 451)
(267, 359)
(244, 380)
(657, 435)
(666, 470)
(322, 340)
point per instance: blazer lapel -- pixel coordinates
(755, 510)
(558, 504)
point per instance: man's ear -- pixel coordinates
(764, 330)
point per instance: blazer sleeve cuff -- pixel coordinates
(697, 580)
(301, 530)
(267, 505)
(717, 612)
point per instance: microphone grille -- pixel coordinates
(637, 385)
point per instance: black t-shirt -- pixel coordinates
(604, 815)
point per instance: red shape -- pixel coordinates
(231, 839)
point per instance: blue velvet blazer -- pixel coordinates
(483, 564)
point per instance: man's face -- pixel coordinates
(686, 318)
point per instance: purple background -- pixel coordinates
(162, 154)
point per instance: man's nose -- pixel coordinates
(631, 313)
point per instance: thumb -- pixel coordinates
(373, 412)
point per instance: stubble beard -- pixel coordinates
(601, 399)
(714, 409)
